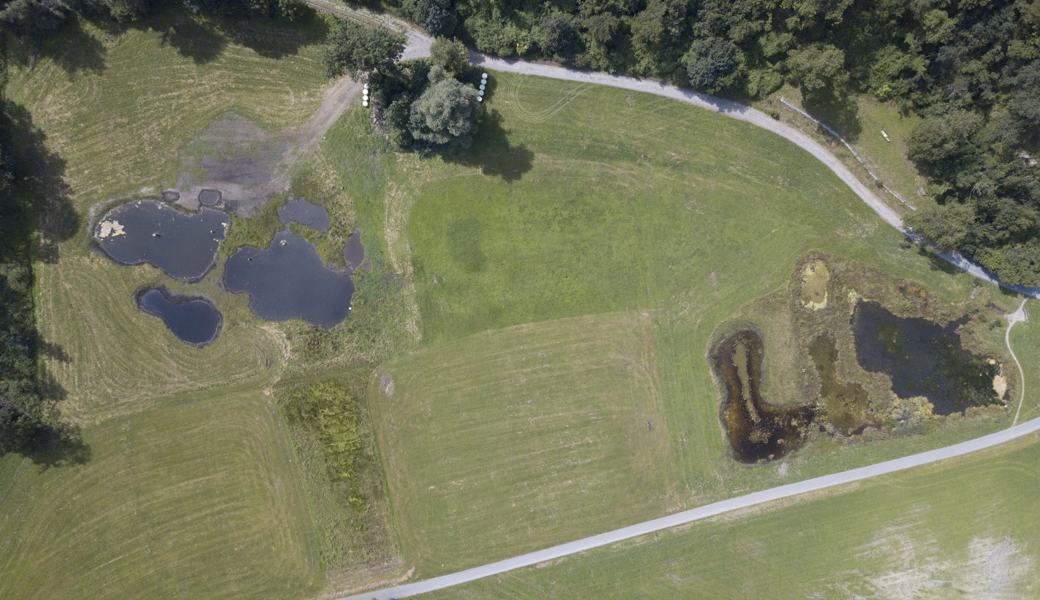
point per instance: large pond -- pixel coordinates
(922, 358)
(193, 319)
(182, 245)
(289, 280)
(300, 211)
(757, 430)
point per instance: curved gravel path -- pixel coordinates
(1015, 318)
(419, 46)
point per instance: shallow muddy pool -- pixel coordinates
(757, 430)
(305, 213)
(354, 252)
(183, 245)
(288, 280)
(193, 319)
(922, 358)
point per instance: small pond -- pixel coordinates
(354, 252)
(193, 319)
(757, 431)
(288, 280)
(922, 358)
(210, 197)
(183, 245)
(305, 213)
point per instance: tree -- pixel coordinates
(943, 143)
(657, 35)
(945, 227)
(452, 55)
(445, 114)
(559, 35)
(33, 17)
(711, 64)
(126, 11)
(818, 69)
(436, 16)
(354, 49)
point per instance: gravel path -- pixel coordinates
(1015, 318)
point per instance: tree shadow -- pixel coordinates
(52, 351)
(272, 38)
(35, 210)
(192, 40)
(38, 180)
(70, 47)
(492, 152)
(838, 111)
(60, 446)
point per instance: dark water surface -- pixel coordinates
(923, 358)
(183, 245)
(305, 213)
(288, 280)
(194, 320)
(354, 251)
(210, 197)
(757, 430)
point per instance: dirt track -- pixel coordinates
(249, 165)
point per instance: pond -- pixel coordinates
(923, 358)
(300, 211)
(289, 280)
(757, 431)
(354, 252)
(193, 319)
(183, 245)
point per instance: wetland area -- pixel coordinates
(848, 363)
(287, 280)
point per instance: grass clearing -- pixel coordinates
(967, 528)
(196, 486)
(119, 124)
(104, 357)
(506, 441)
(584, 200)
(194, 499)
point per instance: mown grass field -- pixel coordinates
(580, 200)
(117, 106)
(194, 485)
(511, 439)
(196, 498)
(963, 529)
(565, 278)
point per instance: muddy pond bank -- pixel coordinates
(757, 430)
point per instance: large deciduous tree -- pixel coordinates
(446, 114)
(819, 69)
(355, 49)
(712, 64)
